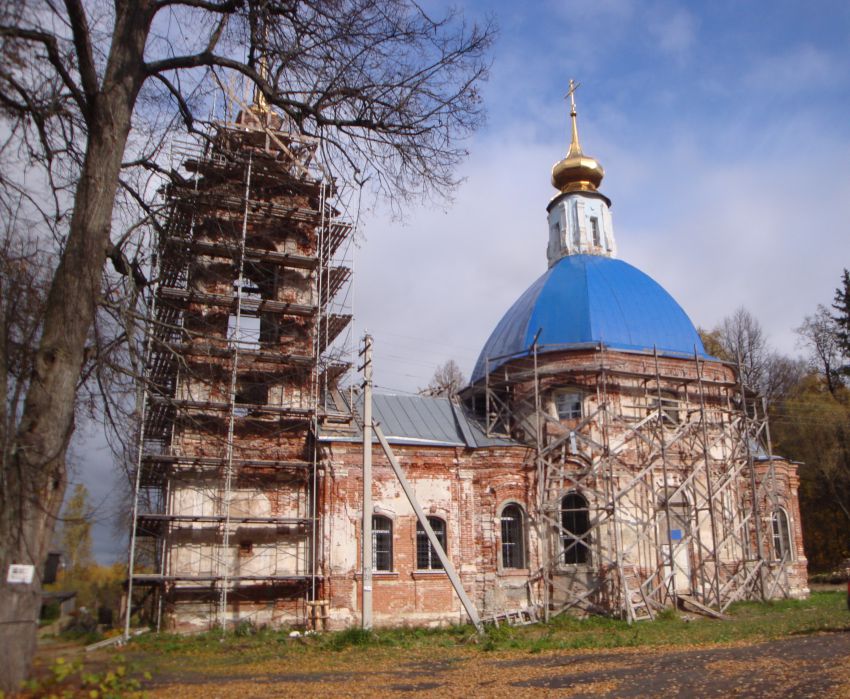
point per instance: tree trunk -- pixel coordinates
(35, 476)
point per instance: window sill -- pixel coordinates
(510, 572)
(576, 567)
(378, 574)
(428, 574)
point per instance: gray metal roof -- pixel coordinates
(425, 420)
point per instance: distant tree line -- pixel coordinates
(809, 407)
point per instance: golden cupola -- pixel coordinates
(577, 172)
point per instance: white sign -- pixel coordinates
(20, 574)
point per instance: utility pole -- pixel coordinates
(367, 483)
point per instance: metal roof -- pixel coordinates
(586, 300)
(422, 420)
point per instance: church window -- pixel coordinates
(670, 409)
(568, 405)
(594, 229)
(382, 543)
(575, 529)
(251, 392)
(513, 539)
(781, 535)
(426, 554)
(243, 331)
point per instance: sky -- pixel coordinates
(724, 133)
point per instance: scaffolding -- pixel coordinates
(246, 328)
(657, 493)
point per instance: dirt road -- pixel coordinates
(805, 666)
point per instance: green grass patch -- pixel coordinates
(215, 652)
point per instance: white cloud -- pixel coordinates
(799, 70)
(674, 32)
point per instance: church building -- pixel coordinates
(599, 461)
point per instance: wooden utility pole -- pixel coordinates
(366, 548)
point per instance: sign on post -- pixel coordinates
(20, 574)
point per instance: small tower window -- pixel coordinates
(594, 230)
(568, 406)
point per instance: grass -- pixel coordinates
(748, 621)
(251, 654)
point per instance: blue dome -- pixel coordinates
(589, 299)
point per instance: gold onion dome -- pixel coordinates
(577, 172)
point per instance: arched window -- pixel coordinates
(513, 537)
(426, 556)
(382, 543)
(781, 535)
(575, 529)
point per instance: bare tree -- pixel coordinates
(89, 93)
(740, 338)
(819, 335)
(447, 381)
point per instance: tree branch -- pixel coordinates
(49, 43)
(220, 7)
(82, 43)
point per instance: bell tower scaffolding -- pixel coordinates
(247, 305)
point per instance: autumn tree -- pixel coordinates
(90, 93)
(447, 381)
(813, 426)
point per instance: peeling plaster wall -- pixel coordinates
(462, 487)
(468, 489)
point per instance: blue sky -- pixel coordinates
(724, 132)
